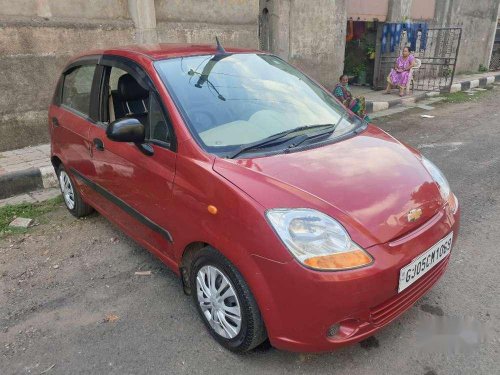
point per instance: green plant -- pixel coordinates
(483, 68)
(30, 210)
(368, 46)
(356, 69)
(370, 50)
(462, 97)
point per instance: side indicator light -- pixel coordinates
(212, 209)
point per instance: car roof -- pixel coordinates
(164, 50)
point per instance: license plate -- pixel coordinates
(424, 262)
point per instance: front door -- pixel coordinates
(135, 187)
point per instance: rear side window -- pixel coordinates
(77, 87)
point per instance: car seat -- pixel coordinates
(130, 99)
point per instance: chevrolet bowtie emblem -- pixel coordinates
(414, 215)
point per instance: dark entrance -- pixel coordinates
(359, 57)
(264, 32)
(437, 52)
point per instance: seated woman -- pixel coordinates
(400, 74)
(343, 93)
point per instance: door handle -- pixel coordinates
(55, 122)
(98, 144)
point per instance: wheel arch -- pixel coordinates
(250, 273)
(186, 260)
(56, 162)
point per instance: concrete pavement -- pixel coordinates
(26, 169)
(378, 101)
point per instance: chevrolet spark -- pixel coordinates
(285, 216)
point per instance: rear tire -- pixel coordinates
(72, 198)
(225, 303)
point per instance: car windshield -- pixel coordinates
(233, 100)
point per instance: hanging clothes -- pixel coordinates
(414, 36)
(385, 36)
(397, 36)
(359, 30)
(350, 31)
(406, 26)
(409, 34)
(422, 27)
(393, 36)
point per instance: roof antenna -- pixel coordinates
(220, 49)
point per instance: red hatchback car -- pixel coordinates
(286, 216)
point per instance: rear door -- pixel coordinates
(71, 116)
(135, 187)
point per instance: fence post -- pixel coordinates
(378, 55)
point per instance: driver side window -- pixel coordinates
(113, 106)
(125, 97)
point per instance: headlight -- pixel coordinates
(438, 177)
(317, 240)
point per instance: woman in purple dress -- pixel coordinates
(400, 74)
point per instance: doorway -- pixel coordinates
(359, 60)
(264, 31)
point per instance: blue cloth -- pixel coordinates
(393, 36)
(407, 26)
(397, 37)
(411, 36)
(385, 33)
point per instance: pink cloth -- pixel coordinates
(401, 78)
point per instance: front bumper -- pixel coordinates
(313, 311)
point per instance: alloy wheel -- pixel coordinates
(218, 301)
(67, 190)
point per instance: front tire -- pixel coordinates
(72, 198)
(225, 303)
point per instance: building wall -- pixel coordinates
(89, 9)
(361, 10)
(37, 38)
(317, 38)
(478, 20)
(235, 22)
(399, 10)
(310, 35)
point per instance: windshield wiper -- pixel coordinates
(269, 140)
(315, 135)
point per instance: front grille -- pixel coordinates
(390, 309)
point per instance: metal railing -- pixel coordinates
(439, 59)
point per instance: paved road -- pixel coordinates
(69, 297)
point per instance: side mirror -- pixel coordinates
(126, 129)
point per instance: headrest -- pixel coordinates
(129, 89)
